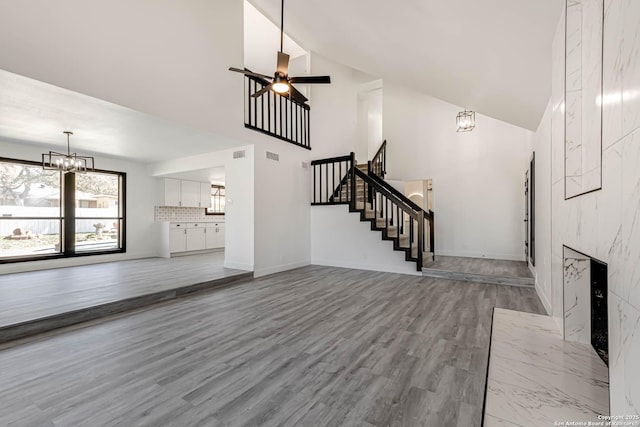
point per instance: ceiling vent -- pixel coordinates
(239, 154)
(273, 156)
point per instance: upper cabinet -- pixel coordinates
(188, 194)
(171, 192)
(205, 194)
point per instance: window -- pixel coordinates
(217, 200)
(31, 211)
(49, 214)
(98, 214)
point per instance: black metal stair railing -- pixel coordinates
(276, 115)
(330, 180)
(427, 215)
(379, 161)
(338, 180)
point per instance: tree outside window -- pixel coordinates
(32, 220)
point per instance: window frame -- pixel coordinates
(65, 216)
(218, 186)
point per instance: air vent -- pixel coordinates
(239, 154)
(304, 165)
(273, 156)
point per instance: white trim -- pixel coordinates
(279, 268)
(370, 267)
(238, 266)
(544, 299)
(507, 257)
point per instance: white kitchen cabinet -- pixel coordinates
(177, 238)
(215, 235)
(205, 195)
(190, 193)
(196, 237)
(171, 192)
(185, 193)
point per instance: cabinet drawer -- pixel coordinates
(177, 225)
(195, 225)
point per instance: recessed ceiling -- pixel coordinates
(35, 112)
(493, 56)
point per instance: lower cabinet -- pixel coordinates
(215, 236)
(177, 239)
(195, 236)
(196, 240)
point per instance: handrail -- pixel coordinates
(338, 180)
(398, 194)
(265, 82)
(329, 176)
(387, 193)
(279, 116)
(379, 161)
(331, 160)
(399, 203)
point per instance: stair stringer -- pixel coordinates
(340, 239)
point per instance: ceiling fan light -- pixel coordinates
(280, 87)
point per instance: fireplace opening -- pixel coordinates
(599, 313)
(586, 316)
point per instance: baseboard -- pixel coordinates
(544, 299)
(410, 268)
(280, 268)
(480, 278)
(507, 257)
(203, 251)
(238, 266)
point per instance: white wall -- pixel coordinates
(369, 121)
(267, 204)
(239, 209)
(262, 42)
(604, 224)
(166, 58)
(478, 177)
(142, 233)
(542, 270)
(340, 239)
(333, 109)
(282, 201)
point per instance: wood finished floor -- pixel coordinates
(39, 294)
(317, 346)
(490, 267)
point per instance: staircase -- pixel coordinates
(339, 180)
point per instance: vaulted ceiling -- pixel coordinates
(492, 56)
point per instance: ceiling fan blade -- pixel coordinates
(250, 73)
(283, 63)
(296, 95)
(311, 79)
(262, 91)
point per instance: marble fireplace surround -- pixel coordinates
(577, 295)
(583, 96)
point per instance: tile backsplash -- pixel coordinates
(171, 213)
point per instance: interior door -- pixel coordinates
(532, 210)
(526, 215)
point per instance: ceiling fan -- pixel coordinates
(281, 82)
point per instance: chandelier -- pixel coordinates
(69, 162)
(465, 121)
